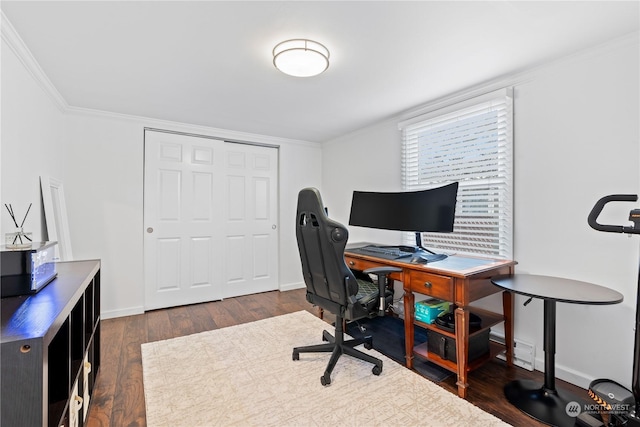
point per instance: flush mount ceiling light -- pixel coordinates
(301, 57)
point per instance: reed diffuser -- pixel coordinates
(18, 239)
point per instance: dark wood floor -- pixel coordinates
(118, 398)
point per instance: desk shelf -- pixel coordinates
(422, 352)
(488, 320)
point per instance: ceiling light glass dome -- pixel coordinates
(301, 57)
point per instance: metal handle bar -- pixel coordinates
(597, 209)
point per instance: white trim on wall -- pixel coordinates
(292, 286)
(171, 126)
(15, 42)
(514, 79)
(517, 78)
(130, 311)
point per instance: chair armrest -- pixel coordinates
(378, 271)
(383, 281)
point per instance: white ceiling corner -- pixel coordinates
(208, 63)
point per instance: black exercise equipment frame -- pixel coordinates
(633, 416)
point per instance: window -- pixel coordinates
(472, 143)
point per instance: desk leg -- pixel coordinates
(507, 310)
(408, 326)
(462, 346)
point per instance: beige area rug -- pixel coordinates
(244, 376)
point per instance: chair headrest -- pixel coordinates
(309, 199)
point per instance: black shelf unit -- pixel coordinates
(50, 350)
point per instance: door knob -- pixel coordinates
(149, 229)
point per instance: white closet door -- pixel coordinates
(210, 210)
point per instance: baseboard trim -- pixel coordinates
(291, 286)
(130, 311)
(567, 374)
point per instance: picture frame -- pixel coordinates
(55, 212)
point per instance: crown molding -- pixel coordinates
(187, 128)
(22, 52)
(521, 76)
(17, 45)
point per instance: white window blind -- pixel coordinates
(472, 143)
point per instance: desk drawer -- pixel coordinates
(437, 286)
(360, 264)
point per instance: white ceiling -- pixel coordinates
(209, 62)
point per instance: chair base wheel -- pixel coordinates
(338, 346)
(325, 380)
(377, 370)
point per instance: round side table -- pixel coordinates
(544, 402)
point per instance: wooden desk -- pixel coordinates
(458, 279)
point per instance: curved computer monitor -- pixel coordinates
(430, 210)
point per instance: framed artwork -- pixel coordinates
(55, 212)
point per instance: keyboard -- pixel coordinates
(383, 252)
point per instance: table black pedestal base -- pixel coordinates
(547, 406)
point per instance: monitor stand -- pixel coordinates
(425, 256)
(422, 255)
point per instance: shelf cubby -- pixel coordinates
(45, 339)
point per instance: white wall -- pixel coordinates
(366, 160)
(300, 167)
(576, 139)
(99, 158)
(105, 195)
(33, 144)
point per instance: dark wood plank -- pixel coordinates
(190, 319)
(119, 396)
(159, 325)
(128, 402)
(486, 390)
(101, 407)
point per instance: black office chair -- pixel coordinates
(332, 286)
